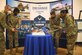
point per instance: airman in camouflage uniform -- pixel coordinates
(13, 22)
(54, 28)
(68, 26)
(2, 26)
(51, 22)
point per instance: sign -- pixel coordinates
(39, 9)
(39, 20)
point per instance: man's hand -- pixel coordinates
(60, 27)
(13, 29)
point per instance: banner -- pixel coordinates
(41, 7)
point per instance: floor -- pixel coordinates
(77, 51)
(61, 51)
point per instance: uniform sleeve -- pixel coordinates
(71, 26)
(3, 21)
(70, 22)
(9, 21)
(18, 23)
(57, 22)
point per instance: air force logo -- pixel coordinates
(39, 20)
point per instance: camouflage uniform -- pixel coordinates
(12, 22)
(54, 27)
(71, 32)
(51, 22)
(2, 26)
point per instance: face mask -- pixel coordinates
(19, 15)
(57, 12)
(9, 12)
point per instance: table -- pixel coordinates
(39, 45)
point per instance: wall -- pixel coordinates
(79, 39)
(2, 4)
(76, 8)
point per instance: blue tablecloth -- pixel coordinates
(39, 45)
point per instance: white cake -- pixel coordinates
(38, 33)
